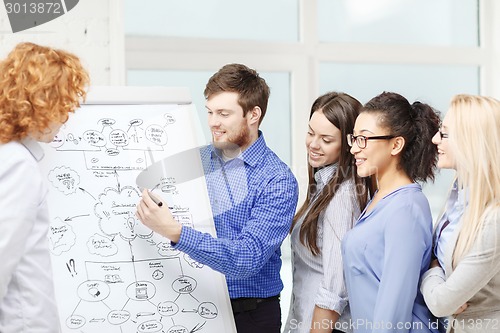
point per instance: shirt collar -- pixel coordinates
(323, 175)
(251, 155)
(34, 148)
(460, 195)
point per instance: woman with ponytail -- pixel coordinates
(389, 248)
(465, 277)
(335, 197)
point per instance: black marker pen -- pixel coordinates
(156, 201)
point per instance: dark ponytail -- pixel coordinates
(416, 123)
(421, 156)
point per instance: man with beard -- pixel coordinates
(253, 195)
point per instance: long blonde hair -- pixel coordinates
(474, 139)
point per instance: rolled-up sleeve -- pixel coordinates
(268, 224)
(338, 219)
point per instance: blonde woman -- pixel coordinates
(464, 281)
(39, 87)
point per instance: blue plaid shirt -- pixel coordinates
(253, 199)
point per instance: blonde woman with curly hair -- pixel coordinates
(39, 87)
(464, 279)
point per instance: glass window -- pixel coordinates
(276, 125)
(261, 20)
(434, 85)
(417, 22)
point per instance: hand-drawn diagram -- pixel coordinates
(113, 274)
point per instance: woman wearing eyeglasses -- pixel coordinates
(389, 248)
(334, 200)
(465, 280)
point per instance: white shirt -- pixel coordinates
(27, 300)
(319, 280)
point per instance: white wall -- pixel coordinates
(492, 37)
(93, 30)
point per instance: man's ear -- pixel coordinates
(254, 115)
(398, 144)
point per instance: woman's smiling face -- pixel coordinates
(323, 141)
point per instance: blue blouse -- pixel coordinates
(385, 255)
(455, 206)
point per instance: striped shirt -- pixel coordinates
(253, 199)
(319, 280)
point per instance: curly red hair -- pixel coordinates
(39, 86)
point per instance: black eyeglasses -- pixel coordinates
(361, 139)
(443, 135)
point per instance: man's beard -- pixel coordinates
(234, 142)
